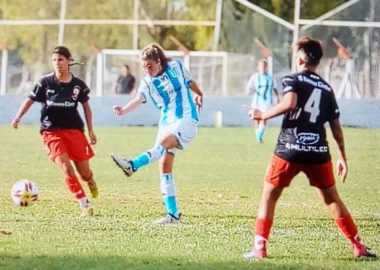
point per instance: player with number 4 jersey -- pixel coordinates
(303, 134)
(308, 103)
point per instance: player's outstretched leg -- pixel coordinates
(129, 166)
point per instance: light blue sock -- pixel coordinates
(171, 205)
(168, 194)
(140, 161)
(147, 157)
(260, 133)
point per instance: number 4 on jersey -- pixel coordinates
(312, 104)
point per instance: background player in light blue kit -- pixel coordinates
(262, 86)
(167, 84)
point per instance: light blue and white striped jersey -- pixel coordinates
(262, 85)
(170, 92)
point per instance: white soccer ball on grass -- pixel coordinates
(24, 193)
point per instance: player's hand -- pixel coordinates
(342, 168)
(118, 110)
(92, 136)
(254, 114)
(198, 101)
(15, 122)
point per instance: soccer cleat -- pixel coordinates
(87, 212)
(361, 251)
(124, 164)
(93, 188)
(255, 254)
(168, 219)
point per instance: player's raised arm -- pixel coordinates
(130, 106)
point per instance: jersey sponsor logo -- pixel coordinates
(69, 104)
(76, 91)
(316, 83)
(173, 72)
(50, 91)
(307, 148)
(307, 138)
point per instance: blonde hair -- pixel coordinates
(154, 52)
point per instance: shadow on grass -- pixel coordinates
(117, 262)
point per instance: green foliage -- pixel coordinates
(239, 27)
(31, 42)
(219, 180)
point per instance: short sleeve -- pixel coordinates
(250, 84)
(84, 92)
(186, 73)
(143, 90)
(38, 93)
(288, 84)
(333, 111)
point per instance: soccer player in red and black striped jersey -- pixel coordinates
(62, 128)
(308, 103)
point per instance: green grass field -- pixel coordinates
(219, 180)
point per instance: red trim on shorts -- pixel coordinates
(70, 141)
(281, 172)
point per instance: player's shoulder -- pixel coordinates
(290, 79)
(146, 82)
(77, 80)
(80, 85)
(175, 63)
(47, 78)
(314, 80)
(292, 76)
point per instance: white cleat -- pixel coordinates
(255, 255)
(124, 164)
(168, 219)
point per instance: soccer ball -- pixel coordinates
(24, 193)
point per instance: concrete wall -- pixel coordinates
(359, 113)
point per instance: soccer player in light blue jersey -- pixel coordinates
(262, 86)
(168, 85)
